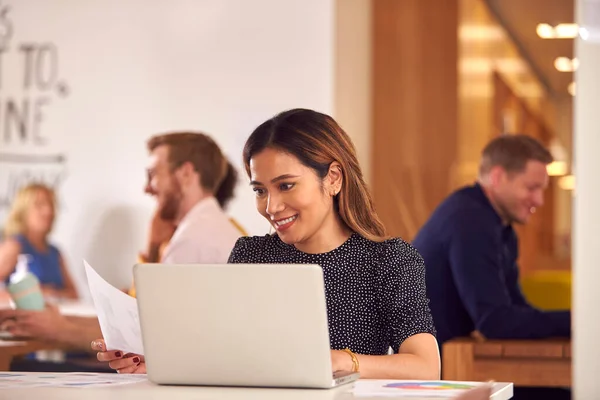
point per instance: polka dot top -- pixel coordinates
(375, 291)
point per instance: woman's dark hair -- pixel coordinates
(317, 141)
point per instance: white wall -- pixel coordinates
(586, 213)
(133, 68)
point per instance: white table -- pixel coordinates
(148, 391)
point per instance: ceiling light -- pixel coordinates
(481, 33)
(560, 31)
(565, 64)
(557, 168)
(566, 31)
(572, 88)
(567, 182)
(560, 165)
(545, 31)
(483, 65)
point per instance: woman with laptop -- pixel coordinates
(309, 186)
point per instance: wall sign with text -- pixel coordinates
(31, 85)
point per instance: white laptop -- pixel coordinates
(236, 325)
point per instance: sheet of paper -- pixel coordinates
(407, 389)
(12, 380)
(117, 314)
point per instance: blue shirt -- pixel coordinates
(472, 274)
(44, 265)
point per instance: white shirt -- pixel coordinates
(205, 235)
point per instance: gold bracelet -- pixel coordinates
(355, 363)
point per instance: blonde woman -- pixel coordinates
(26, 231)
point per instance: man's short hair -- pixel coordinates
(512, 152)
(198, 149)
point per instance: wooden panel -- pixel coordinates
(523, 372)
(457, 360)
(10, 350)
(414, 109)
(488, 350)
(525, 350)
(567, 351)
(523, 362)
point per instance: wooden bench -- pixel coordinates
(12, 349)
(523, 362)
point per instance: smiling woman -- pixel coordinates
(320, 150)
(309, 186)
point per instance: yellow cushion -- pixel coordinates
(548, 290)
(238, 227)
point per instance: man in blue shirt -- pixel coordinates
(470, 248)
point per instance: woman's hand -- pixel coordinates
(341, 361)
(161, 230)
(45, 325)
(124, 363)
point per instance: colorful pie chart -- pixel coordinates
(429, 386)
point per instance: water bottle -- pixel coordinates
(24, 287)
